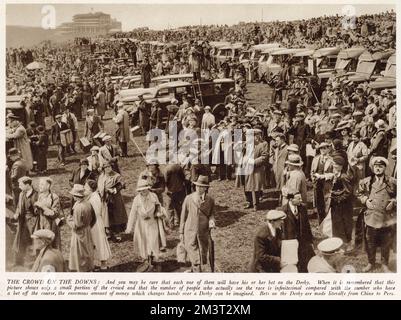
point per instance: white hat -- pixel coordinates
(378, 160)
(330, 245)
(95, 148)
(380, 124)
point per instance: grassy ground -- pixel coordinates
(236, 227)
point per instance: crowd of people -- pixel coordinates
(340, 144)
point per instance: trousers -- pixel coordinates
(379, 237)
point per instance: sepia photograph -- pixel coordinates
(200, 138)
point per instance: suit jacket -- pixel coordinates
(55, 131)
(122, 121)
(175, 178)
(299, 228)
(267, 251)
(105, 155)
(380, 194)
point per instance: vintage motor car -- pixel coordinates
(370, 65)
(211, 93)
(388, 77)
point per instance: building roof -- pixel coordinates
(90, 15)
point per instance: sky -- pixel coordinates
(164, 16)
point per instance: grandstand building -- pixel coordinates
(90, 24)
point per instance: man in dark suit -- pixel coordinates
(267, 244)
(301, 135)
(296, 226)
(175, 184)
(57, 127)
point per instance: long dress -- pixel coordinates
(102, 247)
(146, 231)
(81, 248)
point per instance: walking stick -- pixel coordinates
(133, 140)
(211, 251)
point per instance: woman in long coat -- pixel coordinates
(81, 257)
(255, 175)
(110, 184)
(98, 231)
(100, 99)
(143, 219)
(197, 218)
(341, 199)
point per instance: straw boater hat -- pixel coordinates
(330, 246)
(95, 148)
(293, 147)
(142, 184)
(106, 138)
(202, 181)
(294, 160)
(78, 191)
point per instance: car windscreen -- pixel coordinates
(366, 67)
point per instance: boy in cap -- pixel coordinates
(267, 244)
(48, 259)
(378, 194)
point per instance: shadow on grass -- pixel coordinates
(163, 266)
(225, 217)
